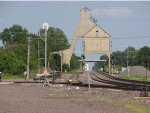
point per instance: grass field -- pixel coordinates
(9, 76)
(135, 77)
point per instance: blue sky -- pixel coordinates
(127, 22)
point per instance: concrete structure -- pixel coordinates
(95, 38)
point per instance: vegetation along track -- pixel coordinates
(118, 83)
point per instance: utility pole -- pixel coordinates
(128, 60)
(112, 63)
(45, 50)
(83, 55)
(61, 55)
(110, 45)
(38, 57)
(28, 58)
(85, 66)
(146, 92)
(45, 27)
(128, 63)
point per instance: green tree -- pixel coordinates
(74, 63)
(120, 58)
(65, 68)
(10, 63)
(14, 34)
(56, 41)
(98, 65)
(131, 53)
(15, 52)
(144, 57)
(14, 58)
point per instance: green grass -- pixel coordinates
(138, 108)
(20, 76)
(9, 76)
(135, 77)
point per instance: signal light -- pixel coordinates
(83, 56)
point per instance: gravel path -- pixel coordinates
(34, 98)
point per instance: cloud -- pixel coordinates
(112, 11)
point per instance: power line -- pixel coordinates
(131, 37)
(95, 38)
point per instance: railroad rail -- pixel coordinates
(121, 79)
(117, 83)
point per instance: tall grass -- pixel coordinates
(10, 76)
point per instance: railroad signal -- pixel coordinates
(83, 56)
(83, 63)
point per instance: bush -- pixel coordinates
(65, 67)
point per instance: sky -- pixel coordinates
(127, 22)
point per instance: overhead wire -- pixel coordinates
(95, 38)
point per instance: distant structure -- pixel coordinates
(95, 38)
(136, 71)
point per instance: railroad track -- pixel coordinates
(104, 80)
(117, 83)
(121, 79)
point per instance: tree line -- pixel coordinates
(130, 56)
(13, 53)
